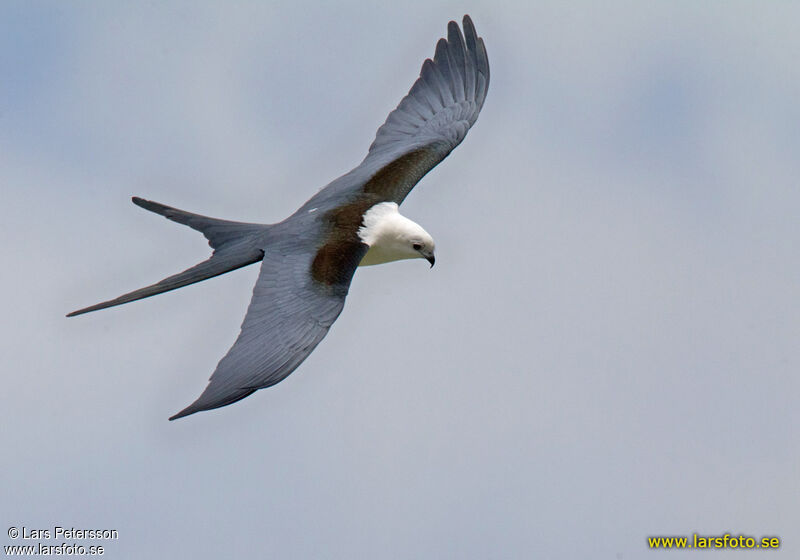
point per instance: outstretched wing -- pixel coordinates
(289, 314)
(301, 289)
(433, 118)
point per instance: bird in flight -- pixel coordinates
(309, 259)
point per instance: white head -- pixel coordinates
(392, 237)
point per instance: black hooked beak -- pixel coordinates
(425, 254)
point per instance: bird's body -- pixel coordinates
(308, 259)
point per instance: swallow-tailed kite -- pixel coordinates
(310, 257)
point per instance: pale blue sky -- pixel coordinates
(606, 349)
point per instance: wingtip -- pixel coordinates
(191, 409)
(96, 307)
(454, 32)
(466, 21)
(81, 311)
(470, 33)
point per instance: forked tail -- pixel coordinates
(235, 244)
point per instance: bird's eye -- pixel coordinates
(417, 246)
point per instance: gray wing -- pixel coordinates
(289, 314)
(433, 118)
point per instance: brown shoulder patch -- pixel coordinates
(336, 260)
(396, 179)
